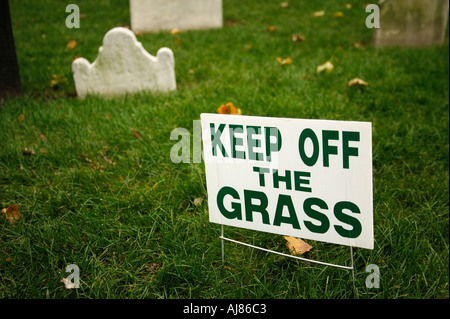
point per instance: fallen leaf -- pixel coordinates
(56, 80)
(296, 245)
(136, 134)
(348, 6)
(42, 137)
(72, 44)
(107, 160)
(44, 151)
(327, 67)
(21, 117)
(284, 4)
(271, 29)
(198, 201)
(107, 116)
(12, 213)
(174, 31)
(284, 61)
(229, 108)
(297, 38)
(27, 151)
(338, 14)
(68, 284)
(319, 13)
(357, 81)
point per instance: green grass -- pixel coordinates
(97, 196)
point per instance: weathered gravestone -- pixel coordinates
(156, 15)
(9, 69)
(411, 23)
(124, 66)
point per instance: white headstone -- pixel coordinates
(157, 15)
(124, 66)
(411, 23)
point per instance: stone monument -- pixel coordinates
(124, 66)
(411, 23)
(157, 15)
(9, 68)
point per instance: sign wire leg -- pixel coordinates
(353, 272)
(223, 248)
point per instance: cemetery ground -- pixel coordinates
(94, 184)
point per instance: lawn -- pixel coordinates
(101, 192)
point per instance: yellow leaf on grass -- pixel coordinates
(284, 4)
(68, 284)
(12, 213)
(284, 61)
(198, 201)
(327, 67)
(338, 14)
(72, 44)
(357, 81)
(229, 108)
(174, 31)
(271, 29)
(296, 245)
(21, 117)
(297, 38)
(56, 80)
(319, 13)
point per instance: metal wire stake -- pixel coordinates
(223, 248)
(353, 272)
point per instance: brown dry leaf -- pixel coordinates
(107, 160)
(271, 29)
(297, 38)
(284, 4)
(21, 117)
(284, 61)
(229, 108)
(42, 137)
(136, 134)
(357, 81)
(72, 44)
(198, 201)
(12, 213)
(297, 246)
(27, 151)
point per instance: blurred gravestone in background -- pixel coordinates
(411, 23)
(9, 69)
(157, 15)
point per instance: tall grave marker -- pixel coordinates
(9, 68)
